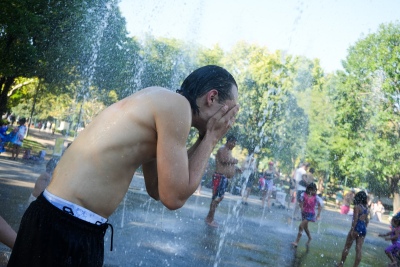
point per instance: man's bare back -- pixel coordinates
(101, 162)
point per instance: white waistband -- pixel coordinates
(74, 209)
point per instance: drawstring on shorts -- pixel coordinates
(112, 235)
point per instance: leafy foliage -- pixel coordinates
(367, 115)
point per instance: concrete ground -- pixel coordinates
(148, 234)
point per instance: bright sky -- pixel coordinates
(322, 29)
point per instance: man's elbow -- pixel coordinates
(173, 204)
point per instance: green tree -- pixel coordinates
(210, 56)
(269, 118)
(367, 104)
(313, 92)
(17, 54)
(165, 62)
(56, 41)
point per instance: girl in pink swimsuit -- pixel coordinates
(308, 201)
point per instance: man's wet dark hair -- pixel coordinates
(311, 187)
(361, 198)
(204, 79)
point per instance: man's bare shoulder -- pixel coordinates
(168, 105)
(155, 92)
(223, 151)
(158, 98)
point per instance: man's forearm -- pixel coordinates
(7, 234)
(198, 160)
(151, 179)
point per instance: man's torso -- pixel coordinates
(226, 169)
(96, 170)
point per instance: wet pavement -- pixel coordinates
(148, 234)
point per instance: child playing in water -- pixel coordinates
(358, 228)
(308, 201)
(394, 236)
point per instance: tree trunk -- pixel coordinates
(6, 83)
(2, 81)
(395, 191)
(33, 106)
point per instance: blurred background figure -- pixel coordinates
(378, 210)
(320, 186)
(248, 177)
(17, 138)
(347, 201)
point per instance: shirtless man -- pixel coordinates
(225, 169)
(67, 223)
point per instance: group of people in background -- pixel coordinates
(307, 194)
(46, 126)
(364, 210)
(344, 202)
(265, 181)
(15, 136)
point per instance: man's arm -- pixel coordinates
(150, 171)
(178, 174)
(41, 183)
(7, 234)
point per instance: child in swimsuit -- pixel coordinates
(358, 228)
(308, 201)
(394, 236)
